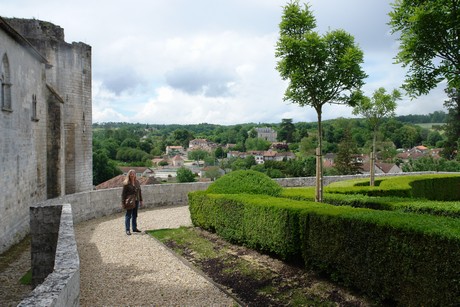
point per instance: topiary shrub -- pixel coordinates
(249, 182)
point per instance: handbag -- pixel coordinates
(130, 202)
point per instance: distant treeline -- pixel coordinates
(435, 117)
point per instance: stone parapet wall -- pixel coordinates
(44, 230)
(99, 203)
(62, 286)
(310, 181)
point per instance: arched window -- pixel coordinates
(5, 92)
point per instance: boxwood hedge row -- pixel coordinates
(445, 187)
(408, 258)
(415, 205)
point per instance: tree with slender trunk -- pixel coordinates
(374, 109)
(320, 68)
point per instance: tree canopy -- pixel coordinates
(430, 48)
(430, 42)
(320, 68)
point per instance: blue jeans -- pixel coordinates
(131, 213)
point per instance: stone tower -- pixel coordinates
(45, 120)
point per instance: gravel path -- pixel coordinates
(136, 270)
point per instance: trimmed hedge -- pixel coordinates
(261, 222)
(405, 258)
(244, 181)
(421, 206)
(408, 258)
(445, 187)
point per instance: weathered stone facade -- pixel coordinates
(45, 120)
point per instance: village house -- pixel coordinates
(177, 161)
(175, 150)
(202, 144)
(267, 134)
(329, 159)
(261, 156)
(418, 152)
(117, 182)
(381, 168)
(141, 171)
(157, 161)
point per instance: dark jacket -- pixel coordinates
(129, 189)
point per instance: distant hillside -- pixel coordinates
(435, 117)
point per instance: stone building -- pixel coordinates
(267, 134)
(45, 120)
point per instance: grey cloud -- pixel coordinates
(209, 82)
(121, 80)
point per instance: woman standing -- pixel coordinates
(131, 186)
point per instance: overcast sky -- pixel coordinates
(210, 61)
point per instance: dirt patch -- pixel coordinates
(260, 280)
(14, 263)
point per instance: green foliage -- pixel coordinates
(26, 279)
(198, 154)
(429, 164)
(305, 167)
(162, 163)
(291, 168)
(128, 154)
(410, 259)
(287, 130)
(250, 182)
(434, 187)
(185, 175)
(182, 137)
(103, 168)
(256, 144)
(345, 162)
(378, 106)
(320, 69)
(407, 258)
(242, 164)
(219, 153)
(110, 146)
(417, 205)
(452, 127)
(259, 221)
(428, 32)
(132, 143)
(213, 172)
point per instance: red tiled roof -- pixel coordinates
(385, 167)
(117, 182)
(137, 169)
(421, 147)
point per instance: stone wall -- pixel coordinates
(22, 138)
(47, 154)
(62, 286)
(44, 230)
(311, 181)
(69, 74)
(98, 203)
